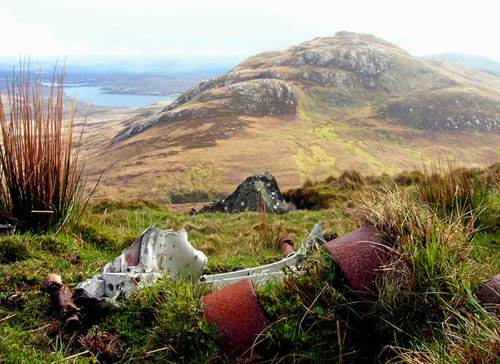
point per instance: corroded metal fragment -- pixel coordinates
(360, 254)
(237, 315)
(489, 293)
(60, 296)
(286, 245)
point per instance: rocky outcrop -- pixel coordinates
(225, 80)
(255, 193)
(358, 53)
(362, 58)
(449, 111)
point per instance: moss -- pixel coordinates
(13, 249)
(96, 236)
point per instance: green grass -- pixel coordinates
(427, 311)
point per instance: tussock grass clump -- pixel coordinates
(309, 316)
(454, 191)
(427, 288)
(13, 249)
(96, 235)
(330, 192)
(41, 181)
(406, 178)
(351, 179)
(136, 204)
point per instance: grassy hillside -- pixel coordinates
(445, 240)
(351, 101)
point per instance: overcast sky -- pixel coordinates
(66, 27)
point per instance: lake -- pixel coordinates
(97, 96)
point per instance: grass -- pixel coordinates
(427, 311)
(41, 181)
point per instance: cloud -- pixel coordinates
(129, 26)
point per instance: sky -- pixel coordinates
(38, 28)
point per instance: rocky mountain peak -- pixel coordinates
(343, 70)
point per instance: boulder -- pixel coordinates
(255, 193)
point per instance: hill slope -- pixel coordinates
(312, 110)
(479, 63)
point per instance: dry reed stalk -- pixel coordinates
(39, 163)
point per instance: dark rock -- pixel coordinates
(490, 291)
(237, 315)
(360, 254)
(257, 191)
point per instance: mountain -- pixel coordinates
(477, 62)
(351, 101)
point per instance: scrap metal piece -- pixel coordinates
(489, 293)
(60, 296)
(154, 254)
(7, 229)
(316, 235)
(286, 245)
(236, 313)
(161, 251)
(164, 253)
(360, 254)
(273, 272)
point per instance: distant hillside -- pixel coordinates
(165, 65)
(479, 63)
(351, 101)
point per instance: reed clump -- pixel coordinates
(41, 181)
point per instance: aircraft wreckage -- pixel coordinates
(157, 253)
(233, 306)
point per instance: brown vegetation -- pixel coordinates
(41, 180)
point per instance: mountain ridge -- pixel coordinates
(311, 110)
(477, 62)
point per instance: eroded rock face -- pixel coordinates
(257, 191)
(260, 98)
(363, 59)
(230, 78)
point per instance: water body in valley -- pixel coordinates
(98, 96)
